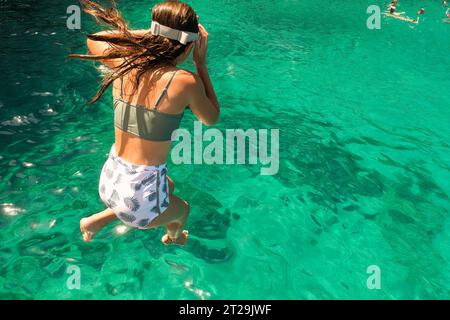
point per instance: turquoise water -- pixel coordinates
(364, 159)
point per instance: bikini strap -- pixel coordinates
(121, 84)
(164, 90)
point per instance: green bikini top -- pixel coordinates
(146, 123)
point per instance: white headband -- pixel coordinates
(183, 37)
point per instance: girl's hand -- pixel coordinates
(201, 47)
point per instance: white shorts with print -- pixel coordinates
(137, 194)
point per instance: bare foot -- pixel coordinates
(181, 240)
(87, 229)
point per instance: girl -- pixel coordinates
(150, 95)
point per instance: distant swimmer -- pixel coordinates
(391, 10)
(400, 16)
(392, 6)
(447, 20)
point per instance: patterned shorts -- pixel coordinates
(137, 194)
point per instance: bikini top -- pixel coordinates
(146, 123)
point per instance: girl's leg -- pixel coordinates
(175, 232)
(91, 225)
(174, 229)
(174, 218)
(171, 185)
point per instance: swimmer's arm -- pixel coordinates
(99, 48)
(203, 104)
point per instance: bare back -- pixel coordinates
(135, 149)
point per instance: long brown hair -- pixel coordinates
(139, 52)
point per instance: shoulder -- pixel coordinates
(187, 79)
